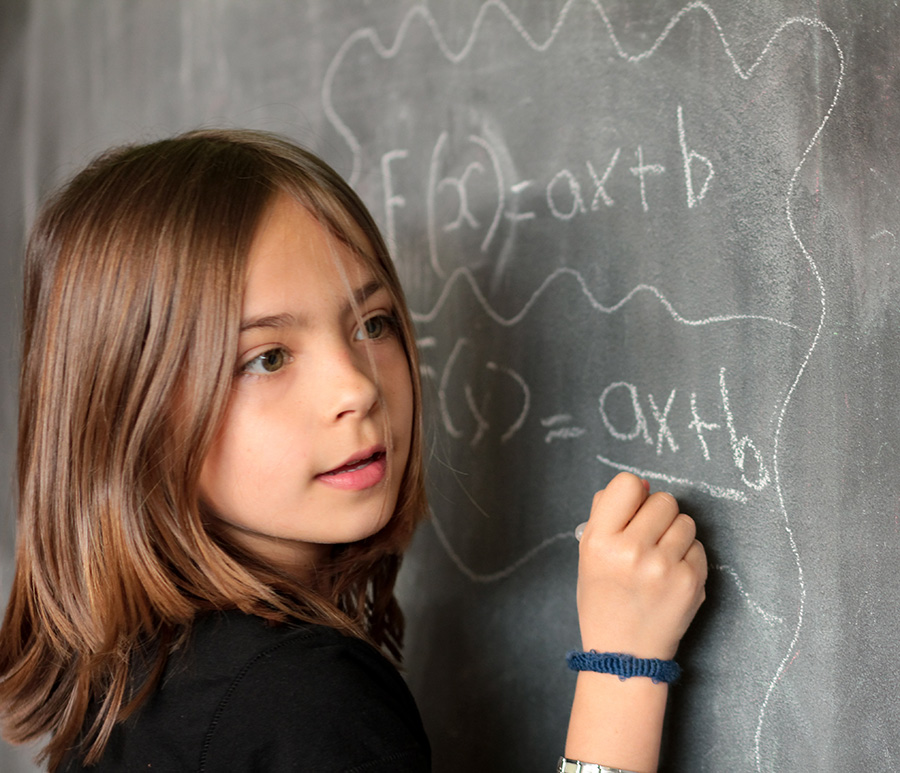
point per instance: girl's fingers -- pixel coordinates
(616, 505)
(655, 518)
(696, 559)
(678, 538)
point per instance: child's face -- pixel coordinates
(317, 432)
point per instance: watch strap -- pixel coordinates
(577, 766)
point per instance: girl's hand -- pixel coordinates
(641, 572)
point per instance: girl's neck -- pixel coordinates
(299, 560)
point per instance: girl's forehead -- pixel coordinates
(295, 258)
(289, 224)
(286, 223)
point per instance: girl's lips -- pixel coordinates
(357, 474)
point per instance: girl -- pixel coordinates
(219, 466)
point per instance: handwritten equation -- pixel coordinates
(605, 267)
(630, 422)
(567, 194)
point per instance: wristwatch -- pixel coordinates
(577, 766)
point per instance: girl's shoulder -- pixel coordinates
(226, 643)
(244, 694)
(317, 665)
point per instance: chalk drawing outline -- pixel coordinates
(884, 232)
(501, 574)
(789, 214)
(370, 35)
(770, 618)
(464, 274)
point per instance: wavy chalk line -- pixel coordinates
(502, 573)
(464, 274)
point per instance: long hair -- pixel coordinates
(134, 275)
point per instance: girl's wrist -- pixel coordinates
(636, 645)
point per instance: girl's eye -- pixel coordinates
(375, 327)
(268, 362)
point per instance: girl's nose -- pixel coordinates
(351, 389)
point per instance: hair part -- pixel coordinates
(134, 276)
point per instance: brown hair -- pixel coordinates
(133, 281)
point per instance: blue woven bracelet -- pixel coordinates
(624, 666)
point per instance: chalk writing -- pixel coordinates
(688, 156)
(564, 194)
(600, 182)
(474, 188)
(475, 410)
(743, 448)
(641, 171)
(561, 433)
(735, 495)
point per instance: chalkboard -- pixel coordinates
(657, 236)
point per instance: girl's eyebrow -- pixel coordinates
(286, 319)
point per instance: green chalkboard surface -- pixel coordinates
(651, 236)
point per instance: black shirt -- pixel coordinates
(248, 696)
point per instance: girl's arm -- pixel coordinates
(640, 582)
